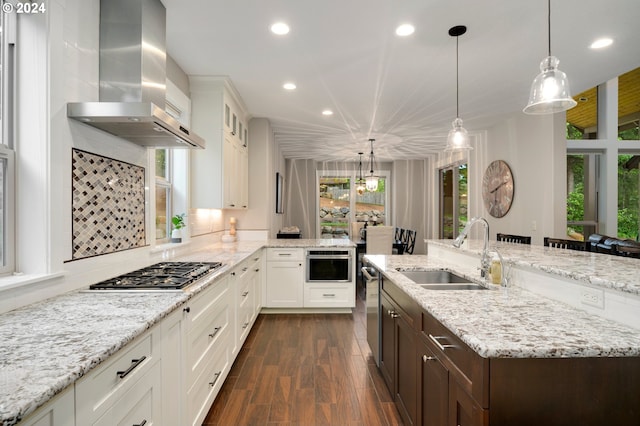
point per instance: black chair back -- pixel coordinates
(566, 244)
(510, 238)
(409, 241)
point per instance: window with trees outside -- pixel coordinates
(163, 195)
(587, 178)
(342, 199)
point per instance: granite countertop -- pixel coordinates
(309, 243)
(510, 322)
(49, 345)
(601, 270)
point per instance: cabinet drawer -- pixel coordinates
(200, 308)
(277, 254)
(139, 405)
(204, 390)
(204, 339)
(317, 296)
(101, 388)
(469, 369)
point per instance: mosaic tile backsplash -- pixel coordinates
(108, 205)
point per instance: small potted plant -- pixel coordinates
(177, 222)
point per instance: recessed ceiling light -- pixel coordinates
(405, 30)
(327, 112)
(280, 28)
(289, 86)
(601, 42)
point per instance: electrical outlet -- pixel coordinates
(534, 225)
(592, 297)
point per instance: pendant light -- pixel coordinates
(372, 180)
(458, 138)
(550, 90)
(360, 188)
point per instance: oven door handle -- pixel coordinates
(330, 257)
(367, 275)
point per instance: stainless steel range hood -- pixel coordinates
(133, 78)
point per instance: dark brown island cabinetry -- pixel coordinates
(437, 379)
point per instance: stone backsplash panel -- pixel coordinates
(108, 207)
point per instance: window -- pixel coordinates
(628, 200)
(603, 183)
(340, 203)
(629, 105)
(582, 184)
(163, 195)
(7, 185)
(582, 120)
(453, 200)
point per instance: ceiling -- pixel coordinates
(344, 55)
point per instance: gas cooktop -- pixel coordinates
(161, 276)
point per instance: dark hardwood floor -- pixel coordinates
(306, 369)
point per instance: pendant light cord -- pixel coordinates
(371, 157)
(549, 24)
(457, 79)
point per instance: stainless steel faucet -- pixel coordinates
(485, 262)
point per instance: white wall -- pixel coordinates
(264, 161)
(535, 149)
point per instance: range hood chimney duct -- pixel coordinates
(133, 78)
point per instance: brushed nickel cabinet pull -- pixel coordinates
(435, 340)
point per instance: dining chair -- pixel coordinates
(356, 228)
(566, 244)
(509, 238)
(627, 249)
(380, 239)
(409, 241)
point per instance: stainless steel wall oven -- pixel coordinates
(329, 266)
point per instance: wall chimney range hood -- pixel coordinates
(133, 78)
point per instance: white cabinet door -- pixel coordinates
(219, 172)
(285, 284)
(57, 412)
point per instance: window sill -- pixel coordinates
(17, 280)
(169, 246)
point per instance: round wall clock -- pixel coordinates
(497, 188)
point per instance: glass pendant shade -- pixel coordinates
(372, 183)
(550, 90)
(458, 138)
(360, 188)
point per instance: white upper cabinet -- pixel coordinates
(219, 173)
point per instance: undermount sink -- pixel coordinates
(434, 277)
(441, 280)
(453, 286)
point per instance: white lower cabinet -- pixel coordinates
(57, 412)
(248, 288)
(171, 374)
(285, 278)
(140, 405)
(329, 295)
(104, 387)
(207, 364)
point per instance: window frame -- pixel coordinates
(7, 153)
(166, 184)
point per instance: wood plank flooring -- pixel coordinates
(305, 369)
